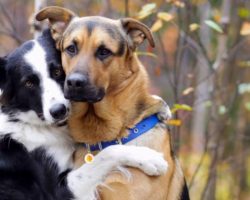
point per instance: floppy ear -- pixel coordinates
(59, 18)
(137, 32)
(2, 72)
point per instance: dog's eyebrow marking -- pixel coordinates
(121, 48)
(108, 28)
(115, 34)
(90, 25)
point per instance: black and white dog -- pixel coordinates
(35, 149)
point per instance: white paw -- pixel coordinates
(148, 160)
(165, 112)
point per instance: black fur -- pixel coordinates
(2, 72)
(14, 71)
(29, 175)
(185, 193)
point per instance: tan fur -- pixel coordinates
(145, 187)
(110, 118)
(126, 102)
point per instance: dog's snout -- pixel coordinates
(79, 88)
(76, 81)
(58, 111)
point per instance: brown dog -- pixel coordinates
(109, 89)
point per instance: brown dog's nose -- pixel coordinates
(76, 81)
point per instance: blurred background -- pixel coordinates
(200, 66)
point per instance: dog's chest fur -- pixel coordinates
(152, 138)
(54, 140)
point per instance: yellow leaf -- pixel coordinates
(165, 16)
(243, 63)
(146, 10)
(187, 91)
(157, 25)
(245, 29)
(174, 122)
(143, 15)
(142, 53)
(216, 15)
(247, 106)
(182, 107)
(173, 110)
(177, 3)
(193, 27)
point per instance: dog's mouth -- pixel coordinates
(41, 116)
(61, 122)
(84, 95)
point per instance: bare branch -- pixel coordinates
(10, 31)
(126, 2)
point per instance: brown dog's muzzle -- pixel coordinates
(78, 88)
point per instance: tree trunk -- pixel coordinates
(38, 27)
(216, 123)
(202, 91)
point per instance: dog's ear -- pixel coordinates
(2, 72)
(59, 18)
(137, 32)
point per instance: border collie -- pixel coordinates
(35, 148)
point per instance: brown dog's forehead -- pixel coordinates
(112, 27)
(103, 30)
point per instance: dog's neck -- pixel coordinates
(110, 118)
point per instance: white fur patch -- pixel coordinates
(55, 140)
(51, 92)
(84, 181)
(165, 112)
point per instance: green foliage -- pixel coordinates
(244, 13)
(222, 109)
(244, 88)
(213, 25)
(184, 107)
(247, 106)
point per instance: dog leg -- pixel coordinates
(84, 181)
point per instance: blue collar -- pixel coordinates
(139, 129)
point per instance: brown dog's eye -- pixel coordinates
(103, 53)
(71, 50)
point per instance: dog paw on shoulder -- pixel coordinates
(165, 112)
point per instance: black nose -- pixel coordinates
(76, 81)
(58, 111)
